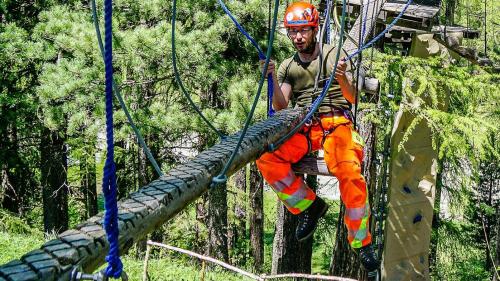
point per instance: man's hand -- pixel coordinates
(340, 72)
(270, 68)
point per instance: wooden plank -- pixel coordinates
(370, 11)
(417, 11)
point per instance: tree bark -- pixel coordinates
(497, 255)
(436, 221)
(54, 181)
(89, 184)
(217, 223)
(256, 218)
(289, 255)
(285, 246)
(344, 261)
(15, 177)
(237, 233)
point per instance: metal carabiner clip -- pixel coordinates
(77, 275)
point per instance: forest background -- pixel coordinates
(52, 130)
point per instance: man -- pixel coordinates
(331, 130)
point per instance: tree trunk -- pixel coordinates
(256, 193)
(497, 255)
(285, 245)
(217, 223)
(344, 261)
(289, 255)
(53, 180)
(436, 222)
(89, 184)
(15, 177)
(237, 233)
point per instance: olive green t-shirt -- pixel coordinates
(301, 76)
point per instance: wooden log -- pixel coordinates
(146, 209)
(311, 165)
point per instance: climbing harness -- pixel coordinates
(262, 56)
(178, 78)
(317, 102)
(222, 178)
(116, 91)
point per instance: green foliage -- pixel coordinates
(13, 246)
(13, 224)
(459, 256)
(460, 104)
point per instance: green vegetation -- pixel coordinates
(51, 87)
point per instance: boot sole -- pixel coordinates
(323, 212)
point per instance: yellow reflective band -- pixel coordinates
(356, 244)
(283, 196)
(303, 204)
(357, 138)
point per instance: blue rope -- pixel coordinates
(109, 187)
(178, 77)
(222, 178)
(262, 56)
(376, 38)
(119, 97)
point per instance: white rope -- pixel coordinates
(262, 277)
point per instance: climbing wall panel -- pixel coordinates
(411, 194)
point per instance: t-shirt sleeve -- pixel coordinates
(283, 73)
(332, 55)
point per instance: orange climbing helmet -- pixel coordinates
(301, 14)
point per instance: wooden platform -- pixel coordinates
(417, 16)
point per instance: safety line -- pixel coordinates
(116, 91)
(109, 187)
(222, 178)
(178, 78)
(317, 102)
(262, 56)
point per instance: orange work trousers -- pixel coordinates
(343, 153)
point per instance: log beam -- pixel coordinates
(148, 208)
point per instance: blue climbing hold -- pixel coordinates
(417, 218)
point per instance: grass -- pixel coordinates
(165, 265)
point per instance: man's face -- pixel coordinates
(303, 38)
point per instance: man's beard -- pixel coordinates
(309, 49)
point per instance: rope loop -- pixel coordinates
(218, 180)
(262, 56)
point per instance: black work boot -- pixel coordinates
(308, 219)
(368, 258)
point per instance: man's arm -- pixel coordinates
(345, 83)
(281, 93)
